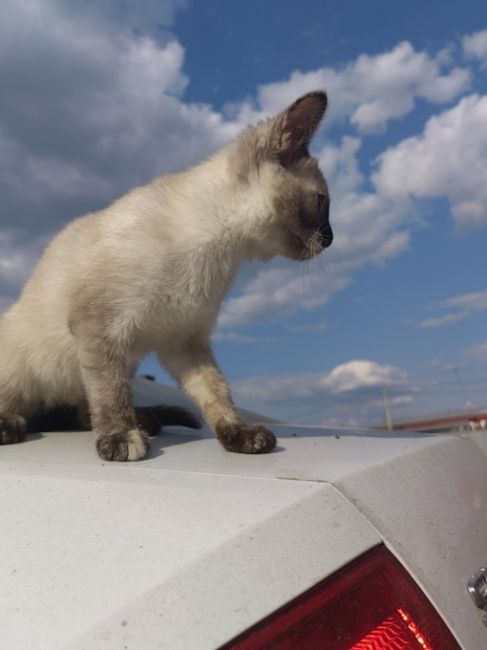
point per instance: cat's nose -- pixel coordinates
(326, 235)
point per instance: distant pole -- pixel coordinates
(456, 370)
(387, 413)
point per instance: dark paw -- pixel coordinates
(152, 418)
(246, 439)
(130, 445)
(12, 429)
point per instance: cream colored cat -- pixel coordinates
(149, 273)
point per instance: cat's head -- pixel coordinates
(287, 186)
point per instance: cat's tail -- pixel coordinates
(57, 418)
(149, 418)
(152, 418)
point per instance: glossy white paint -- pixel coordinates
(193, 545)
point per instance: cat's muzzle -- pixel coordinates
(326, 235)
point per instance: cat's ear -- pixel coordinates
(292, 130)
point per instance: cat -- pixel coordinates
(149, 273)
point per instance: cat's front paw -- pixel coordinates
(129, 445)
(12, 429)
(245, 439)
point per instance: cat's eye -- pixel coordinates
(321, 199)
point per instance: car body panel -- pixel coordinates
(190, 547)
(430, 507)
(103, 556)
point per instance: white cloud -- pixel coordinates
(448, 159)
(234, 337)
(439, 321)
(475, 45)
(88, 109)
(143, 14)
(17, 258)
(371, 90)
(477, 352)
(399, 400)
(341, 165)
(349, 376)
(278, 388)
(466, 302)
(42, 178)
(321, 326)
(367, 225)
(359, 374)
(362, 412)
(367, 231)
(474, 300)
(350, 395)
(277, 291)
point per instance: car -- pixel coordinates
(340, 539)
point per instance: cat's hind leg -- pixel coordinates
(13, 424)
(106, 376)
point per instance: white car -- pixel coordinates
(338, 539)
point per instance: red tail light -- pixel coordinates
(372, 604)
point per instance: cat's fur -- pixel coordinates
(149, 273)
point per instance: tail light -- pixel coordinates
(371, 604)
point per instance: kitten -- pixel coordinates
(149, 273)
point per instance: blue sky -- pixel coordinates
(99, 97)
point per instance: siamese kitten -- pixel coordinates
(149, 273)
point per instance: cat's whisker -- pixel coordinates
(318, 263)
(312, 267)
(329, 268)
(311, 262)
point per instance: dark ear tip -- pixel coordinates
(316, 98)
(318, 94)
